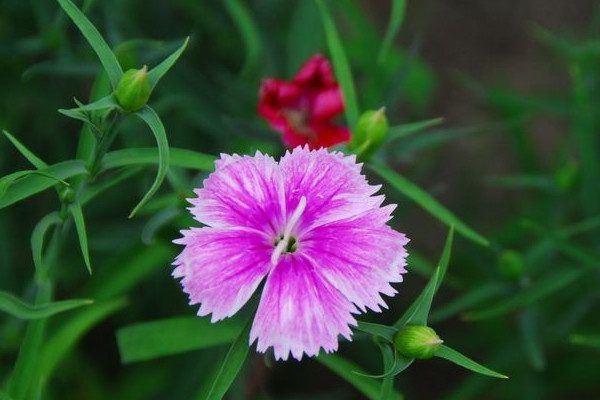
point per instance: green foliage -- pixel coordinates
(522, 293)
(160, 338)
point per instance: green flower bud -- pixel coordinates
(133, 90)
(420, 342)
(371, 129)
(511, 265)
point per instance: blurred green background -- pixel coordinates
(515, 158)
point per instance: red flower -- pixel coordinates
(303, 108)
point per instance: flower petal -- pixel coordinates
(316, 136)
(221, 268)
(300, 311)
(360, 257)
(242, 192)
(275, 97)
(327, 104)
(315, 73)
(332, 184)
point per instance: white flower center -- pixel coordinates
(283, 243)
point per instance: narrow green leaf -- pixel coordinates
(149, 116)
(468, 299)
(37, 240)
(340, 65)
(305, 35)
(431, 205)
(231, 366)
(149, 156)
(158, 221)
(23, 374)
(386, 332)
(396, 19)
(77, 213)
(156, 73)
(353, 374)
(105, 103)
(586, 340)
(120, 275)
(388, 353)
(107, 58)
(451, 355)
(19, 309)
(35, 183)
(532, 339)
(401, 364)
(418, 312)
(154, 339)
(586, 138)
(523, 181)
(400, 131)
(534, 293)
(71, 331)
(8, 180)
(28, 154)
(244, 23)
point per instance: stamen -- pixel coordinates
(283, 243)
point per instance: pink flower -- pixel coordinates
(311, 227)
(303, 108)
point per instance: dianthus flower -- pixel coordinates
(311, 228)
(302, 109)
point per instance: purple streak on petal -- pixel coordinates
(221, 268)
(300, 311)
(332, 184)
(242, 192)
(359, 257)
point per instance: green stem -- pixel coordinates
(102, 146)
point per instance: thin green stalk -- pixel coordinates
(102, 146)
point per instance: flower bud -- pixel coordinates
(420, 342)
(371, 129)
(511, 265)
(133, 90)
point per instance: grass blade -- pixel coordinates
(454, 356)
(427, 202)
(156, 73)
(150, 340)
(243, 21)
(149, 156)
(149, 116)
(28, 154)
(400, 131)
(305, 35)
(231, 366)
(107, 58)
(340, 65)
(77, 213)
(71, 331)
(586, 340)
(396, 19)
(534, 293)
(354, 375)
(386, 332)
(37, 240)
(418, 312)
(532, 339)
(467, 300)
(17, 308)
